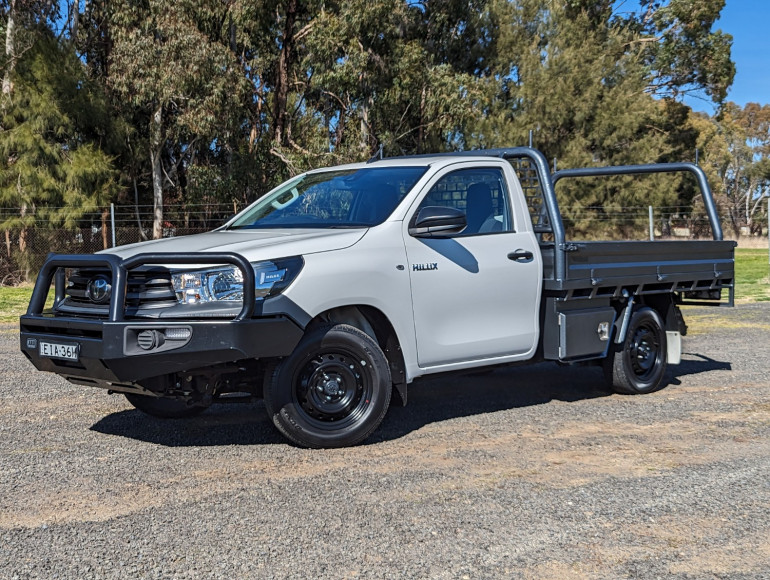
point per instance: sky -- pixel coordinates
(747, 21)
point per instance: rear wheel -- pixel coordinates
(638, 364)
(332, 391)
(164, 407)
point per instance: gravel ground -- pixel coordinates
(529, 472)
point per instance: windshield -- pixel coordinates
(344, 198)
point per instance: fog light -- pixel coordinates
(149, 339)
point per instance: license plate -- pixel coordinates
(59, 350)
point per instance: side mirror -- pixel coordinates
(435, 221)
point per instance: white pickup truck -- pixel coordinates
(345, 284)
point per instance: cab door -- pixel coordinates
(476, 294)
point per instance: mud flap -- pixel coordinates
(673, 347)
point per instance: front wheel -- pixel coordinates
(332, 391)
(638, 364)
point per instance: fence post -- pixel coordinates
(112, 223)
(652, 224)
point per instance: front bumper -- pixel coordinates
(117, 350)
(108, 351)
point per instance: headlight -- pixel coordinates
(226, 283)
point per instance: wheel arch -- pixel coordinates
(376, 324)
(666, 305)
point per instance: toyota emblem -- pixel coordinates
(99, 289)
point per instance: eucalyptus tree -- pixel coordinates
(683, 52)
(404, 76)
(596, 82)
(170, 62)
(736, 153)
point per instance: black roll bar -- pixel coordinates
(548, 184)
(119, 268)
(700, 176)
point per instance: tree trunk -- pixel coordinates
(282, 75)
(749, 192)
(421, 126)
(75, 22)
(23, 240)
(735, 224)
(105, 239)
(142, 237)
(365, 133)
(157, 173)
(10, 52)
(7, 89)
(10, 59)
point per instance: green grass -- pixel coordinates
(13, 302)
(751, 276)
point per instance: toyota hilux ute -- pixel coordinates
(342, 286)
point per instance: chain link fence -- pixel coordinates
(636, 223)
(24, 250)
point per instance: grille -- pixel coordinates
(147, 288)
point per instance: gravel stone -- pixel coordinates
(525, 472)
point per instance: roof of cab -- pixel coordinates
(411, 161)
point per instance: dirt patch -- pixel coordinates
(533, 472)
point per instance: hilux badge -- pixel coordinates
(99, 289)
(421, 267)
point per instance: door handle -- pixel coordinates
(521, 256)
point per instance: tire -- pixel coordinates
(163, 407)
(638, 365)
(332, 391)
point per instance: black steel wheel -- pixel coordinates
(164, 407)
(332, 391)
(637, 366)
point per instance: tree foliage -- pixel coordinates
(55, 166)
(180, 102)
(737, 153)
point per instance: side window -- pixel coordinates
(481, 193)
